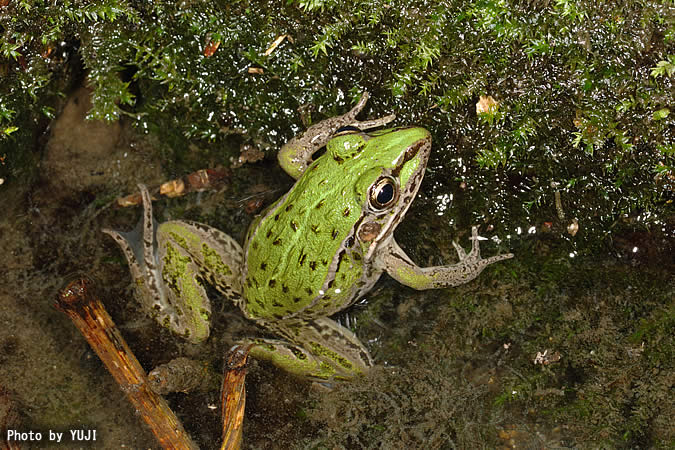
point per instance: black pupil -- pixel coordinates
(385, 194)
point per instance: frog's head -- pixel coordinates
(388, 166)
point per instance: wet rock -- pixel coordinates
(78, 149)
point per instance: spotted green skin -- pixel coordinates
(314, 252)
(304, 256)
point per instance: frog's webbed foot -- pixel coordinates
(400, 267)
(160, 286)
(138, 246)
(321, 350)
(296, 155)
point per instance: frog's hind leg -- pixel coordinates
(168, 280)
(218, 256)
(319, 349)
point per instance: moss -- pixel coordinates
(580, 86)
(422, 405)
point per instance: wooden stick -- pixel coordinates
(198, 181)
(88, 314)
(233, 397)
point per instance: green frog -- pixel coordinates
(312, 253)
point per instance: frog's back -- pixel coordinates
(301, 256)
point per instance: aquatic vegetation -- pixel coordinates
(464, 372)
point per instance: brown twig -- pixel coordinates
(233, 396)
(198, 181)
(90, 317)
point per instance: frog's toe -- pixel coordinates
(473, 257)
(461, 254)
(494, 259)
(475, 245)
(360, 104)
(474, 254)
(475, 250)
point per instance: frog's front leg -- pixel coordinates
(296, 155)
(319, 349)
(400, 267)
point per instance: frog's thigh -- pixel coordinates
(187, 308)
(219, 257)
(322, 349)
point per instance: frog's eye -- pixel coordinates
(346, 130)
(383, 193)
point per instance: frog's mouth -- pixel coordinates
(388, 222)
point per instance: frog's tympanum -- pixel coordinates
(314, 252)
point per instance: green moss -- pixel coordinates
(584, 91)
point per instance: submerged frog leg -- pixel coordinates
(185, 293)
(296, 155)
(138, 247)
(321, 349)
(218, 256)
(161, 275)
(400, 267)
